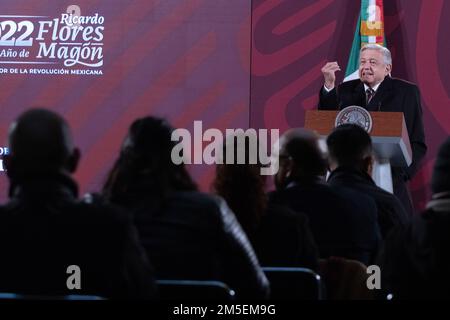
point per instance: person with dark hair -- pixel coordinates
(415, 259)
(187, 234)
(351, 162)
(343, 223)
(45, 232)
(279, 236)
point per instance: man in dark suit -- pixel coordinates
(44, 229)
(343, 222)
(375, 90)
(351, 161)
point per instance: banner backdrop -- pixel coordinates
(103, 63)
(229, 63)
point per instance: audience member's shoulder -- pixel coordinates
(418, 229)
(273, 196)
(95, 208)
(432, 221)
(349, 193)
(426, 232)
(320, 189)
(389, 197)
(196, 199)
(280, 216)
(356, 202)
(344, 193)
(280, 212)
(408, 236)
(88, 211)
(206, 207)
(282, 196)
(403, 84)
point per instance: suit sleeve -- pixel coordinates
(328, 100)
(414, 120)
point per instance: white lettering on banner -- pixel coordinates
(67, 41)
(70, 19)
(72, 55)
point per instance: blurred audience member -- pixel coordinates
(44, 229)
(343, 222)
(415, 259)
(279, 236)
(351, 162)
(187, 234)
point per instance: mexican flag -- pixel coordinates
(370, 29)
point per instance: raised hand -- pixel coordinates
(329, 76)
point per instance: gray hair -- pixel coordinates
(385, 51)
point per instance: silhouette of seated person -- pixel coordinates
(280, 236)
(343, 222)
(415, 259)
(187, 234)
(351, 161)
(45, 229)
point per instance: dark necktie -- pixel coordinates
(369, 95)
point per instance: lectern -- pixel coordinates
(389, 138)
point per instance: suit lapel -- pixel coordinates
(383, 93)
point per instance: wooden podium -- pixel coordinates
(389, 138)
